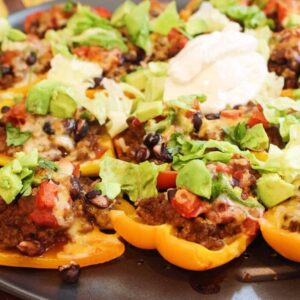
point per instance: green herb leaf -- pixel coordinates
(47, 164)
(14, 136)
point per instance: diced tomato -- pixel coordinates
(17, 114)
(258, 117)
(231, 114)
(76, 170)
(223, 168)
(238, 174)
(103, 12)
(177, 41)
(281, 7)
(250, 227)
(46, 194)
(31, 19)
(166, 180)
(188, 205)
(43, 217)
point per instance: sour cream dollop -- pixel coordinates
(224, 66)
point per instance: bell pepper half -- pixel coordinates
(284, 242)
(182, 253)
(86, 249)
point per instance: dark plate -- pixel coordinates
(258, 274)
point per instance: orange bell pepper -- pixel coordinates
(182, 253)
(87, 249)
(281, 240)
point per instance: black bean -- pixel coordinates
(212, 116)
(165, 155)
(5, 109)
(197, 121)
(92, 194)
(70, 125)
(81, 130)
(31, 59)
(97, 82)
(142, 154)
(6, 70)
(151, 139)
(100, 202)
(47, 128)
(70, 273)
(31, 248)
(76, 188)
(171, 194)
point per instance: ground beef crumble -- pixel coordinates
(158, 210)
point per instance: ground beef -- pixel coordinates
(285, 56)
(158, 210)
(129, 142)
(15, 226)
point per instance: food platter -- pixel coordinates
(258, 274)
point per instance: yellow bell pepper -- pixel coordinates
(193, 256)
(182, 253)
(4, 160)
(284, 242)
(287, 93)
(87, 249)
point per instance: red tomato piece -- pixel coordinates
(250, 227)
(258, 117)
(223, 168)
(16, 114)
(187, 204)
(43, 217)
(231, 114)
(103, 12)
(30, 19)
(46, 194)
(166, 180)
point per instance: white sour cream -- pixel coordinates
(224, 66)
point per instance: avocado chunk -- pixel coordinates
(273, 190)
(10, 184)
(62, 105)
(28, 160)
(137, 79)
(196, 178)
(39, 97)
(148, 110)
(154, 89)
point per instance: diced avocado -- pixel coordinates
(38, 99)
(16, 167)
(62, 105)
(256, 138)
(273, 190)
(148, 110)
(28, 160)
(154, 89)
(16, 35)
(137, 79)
(196, 178)
(10, 184)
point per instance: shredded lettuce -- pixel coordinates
(7, 32)
(167, 20)
(185, 150)
(137, 22)
(221, 186)
(16, 137)
(106, 38)
(118, 17)
(250, 16)
(285, 162)
(206, 19)
(59, 41)
(135, 180)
